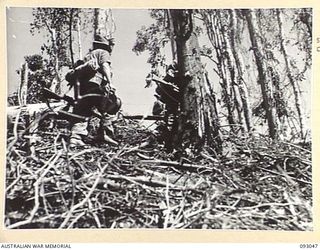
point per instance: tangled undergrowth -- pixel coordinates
(256, 184)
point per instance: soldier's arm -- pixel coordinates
(106, 71)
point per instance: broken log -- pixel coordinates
(33, 108)
(56, 110)
(142, 117)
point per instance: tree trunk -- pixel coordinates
(22, 95)
(230, 72)
(194, 126)
(212, 122)
(55, 84)
(172, 41)
(70, 37)
(79, 38)
(266, 90)
(23, 88)
(297, 94)
(109, 23)
(240, 82)
(215, 38)
(100, 17)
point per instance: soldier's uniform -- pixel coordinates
(169, 95)
(95, 86)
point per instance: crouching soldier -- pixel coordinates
(168, 100)
(92, 82)
(169, 94)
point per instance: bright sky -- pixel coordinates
(129, 69)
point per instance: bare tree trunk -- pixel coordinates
(215, 38)
(266, 90)
(212, 122)
(100, 17)
(22, 97)
(109, 23)
(229, 65)
(194, 122)
(55, 84)
(79, 38)
(70, 36)
(23, 88)
(240, 82)
(296, 91)
(172, 41)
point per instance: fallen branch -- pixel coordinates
(146, 118)
(276, 173)
(180, 165)
(85, 200)
(52, 161)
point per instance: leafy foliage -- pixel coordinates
(57, 24)
(35, 62)
(302, 19)
(40, 75)
(153, 38)
(55, 21)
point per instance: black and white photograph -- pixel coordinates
(137, 118)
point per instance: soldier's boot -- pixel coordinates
(76, 141)
(108, 139)
(104, 134)
(78, 132)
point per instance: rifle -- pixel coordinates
(48, 94)
(159, 80)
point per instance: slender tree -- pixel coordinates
(23, 87)
(239, 70)
(293, 82)
(71, 24)
(224, 70)
(53, 21)
(171, 35)
(230, 67)
(58, 24)
(266, 89)
(78, 29)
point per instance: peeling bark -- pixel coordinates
(197, 122)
